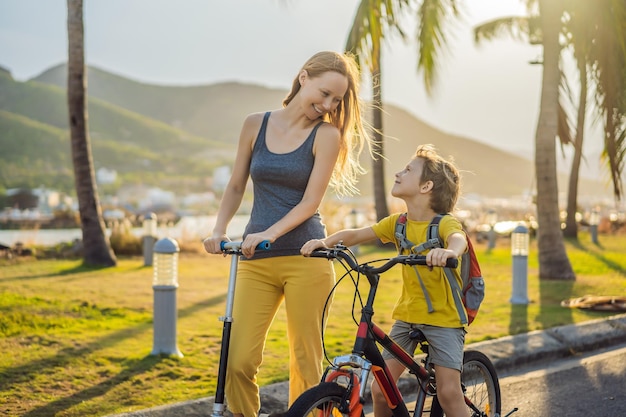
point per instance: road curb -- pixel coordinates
(558, 342)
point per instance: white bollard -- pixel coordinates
(519, 251)
(149, 237)
(165, 284)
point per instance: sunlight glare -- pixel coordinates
(485, 10)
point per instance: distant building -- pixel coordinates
(197, 199)
(144, 198)
(157, 197)
(221, 176)
(132, 195)
(106, 176)
(39, 199)
(49, 200)
(30, 205)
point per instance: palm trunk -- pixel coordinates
(96, 248)
(378, 167)
(571, 226)
(553, 260)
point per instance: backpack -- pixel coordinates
(468, 298)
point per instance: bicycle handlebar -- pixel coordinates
(236, 246)
(339, 252)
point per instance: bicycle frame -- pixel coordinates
(343, 385)
(366, 356)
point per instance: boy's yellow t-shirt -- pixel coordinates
(411, 307)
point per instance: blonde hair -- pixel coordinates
(445, 177)
(346, 117)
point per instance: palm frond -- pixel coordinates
(373, 21)
(515, 27)
(564, 122)
(431, 38)
(608, 55)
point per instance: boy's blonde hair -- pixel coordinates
(445, 177)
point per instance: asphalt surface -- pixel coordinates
(507, 354)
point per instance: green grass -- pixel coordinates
(76, 341)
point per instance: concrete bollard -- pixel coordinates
(519, 251)
(149, 237)
(165, 284)
(594, 221)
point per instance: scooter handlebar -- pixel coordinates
(265, 245)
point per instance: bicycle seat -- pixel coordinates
(417, 335)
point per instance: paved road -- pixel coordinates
(590, 385)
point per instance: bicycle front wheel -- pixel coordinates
(480, 385)
(324, 400)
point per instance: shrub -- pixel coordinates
(123, 241)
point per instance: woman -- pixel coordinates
(292, 155)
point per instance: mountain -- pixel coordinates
(31, 150)
(215, 111)
(200, 124)
(33, 117)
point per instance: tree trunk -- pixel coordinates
(571, 224)
(96, 248)
(553, 260)
(378, 163)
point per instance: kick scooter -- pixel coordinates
(234, 249)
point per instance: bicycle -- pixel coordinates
(342, 388)
(233, 249)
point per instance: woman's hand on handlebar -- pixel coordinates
(439, 256)
(212, 244)
(251, 242)
(311, 245)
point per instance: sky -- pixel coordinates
(489, 93)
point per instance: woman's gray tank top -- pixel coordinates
(279, 182)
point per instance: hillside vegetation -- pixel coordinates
(214, 111)
(35, 144)
(175, 135)
(31, 151)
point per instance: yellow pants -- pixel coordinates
(261, 286)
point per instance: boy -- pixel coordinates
(428, 185)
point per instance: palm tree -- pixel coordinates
(96, 248)
(543, 26)
(596, 33)
(609, 60)
(553, 260)
(580, 38)
(582, 27)
(571, 223)
(528, 28)
(374, 19)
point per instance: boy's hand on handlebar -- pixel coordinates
(439, 256)
(311, 245)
